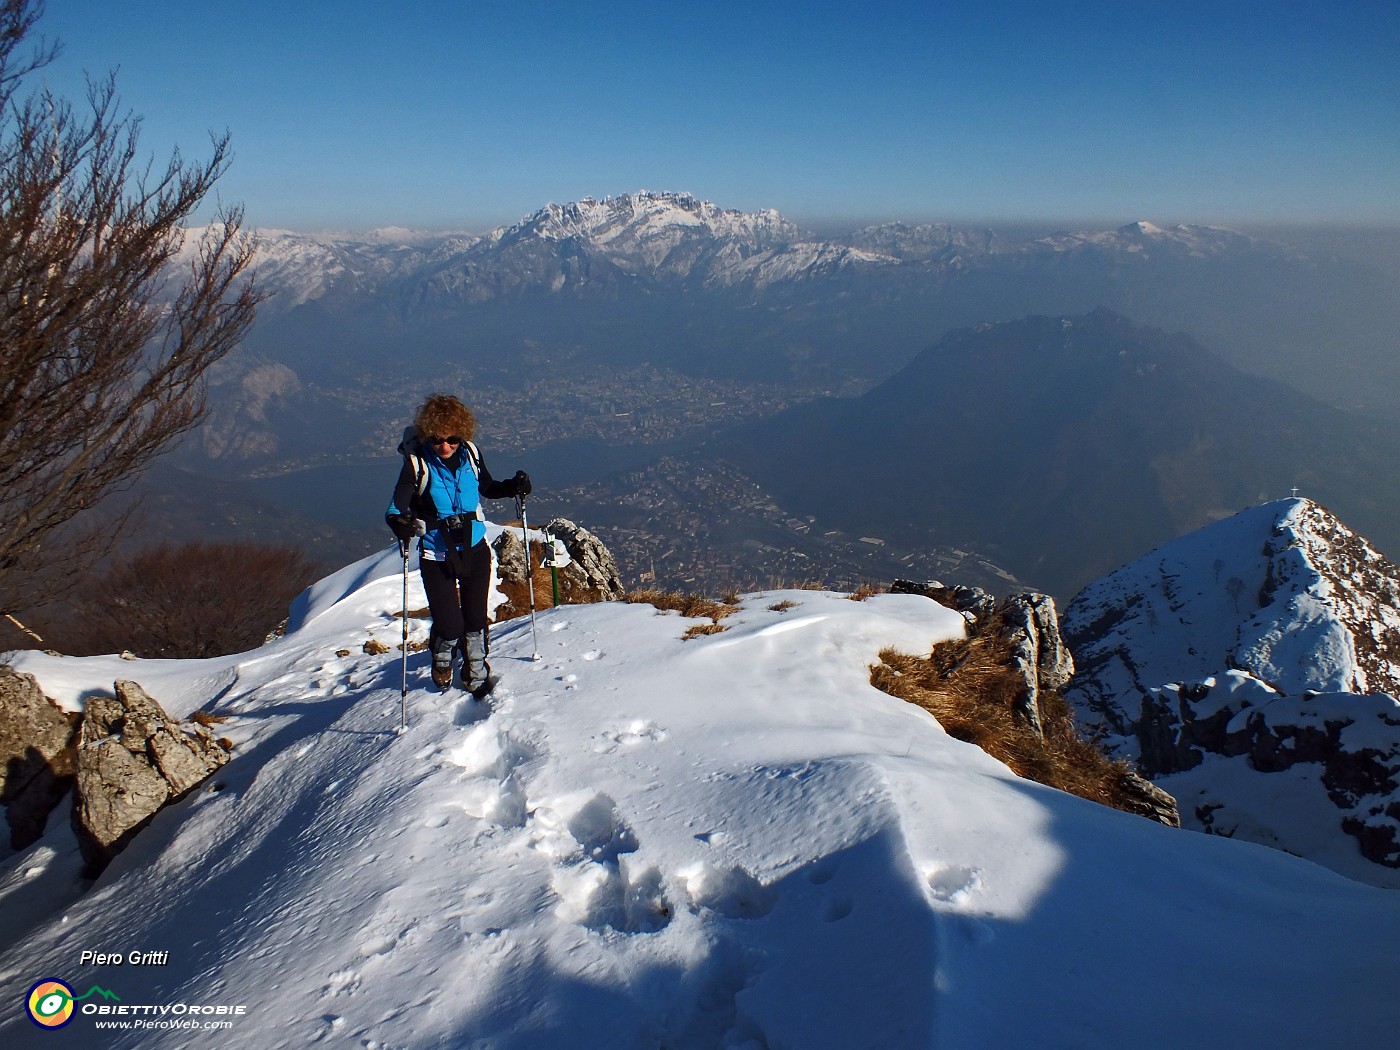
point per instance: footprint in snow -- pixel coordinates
(953, 884)
(605, 889)
(486, 751)
(730, 891)
(631, 735)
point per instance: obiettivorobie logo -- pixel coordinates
(50, 1003)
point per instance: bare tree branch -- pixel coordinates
(104, 351)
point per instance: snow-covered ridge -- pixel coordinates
(645, 216)
(1143, 238)
(1252, 669)
(1283, 591)
(732, 840)
(729, 841)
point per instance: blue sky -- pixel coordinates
(468, 113)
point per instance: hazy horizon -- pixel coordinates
(347, 116)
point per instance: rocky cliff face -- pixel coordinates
(1252, 669)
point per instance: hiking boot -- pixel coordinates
(476, 672)
(442, 663)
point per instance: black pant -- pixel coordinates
(457, 595)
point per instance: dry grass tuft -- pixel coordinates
(782, 606)
(702, 629)
(971, 689)
(374, 647)
(864, 591)
(689, 605)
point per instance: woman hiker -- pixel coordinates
(438, 497)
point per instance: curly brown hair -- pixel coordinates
(443, 415)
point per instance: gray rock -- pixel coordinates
(591, 574)
(132, 760)
(592, 568)
(36, 755)
(1148, 800)
(1029, 626)
(976, 605)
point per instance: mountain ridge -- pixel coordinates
(1252, 669)
(685, 274)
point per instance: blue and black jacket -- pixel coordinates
(454, 489)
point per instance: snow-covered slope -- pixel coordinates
(731, 841)
(1252, 668)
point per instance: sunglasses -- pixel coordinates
(454, 440)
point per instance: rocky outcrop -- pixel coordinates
(133, 759)
(1348, 745)
(590, 574)
(999, 687)
(1146, 799)
(592, 569)
(1027, 624)
(36, 755)
(1031, 629)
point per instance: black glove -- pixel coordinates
(522, 483)
(404, 526)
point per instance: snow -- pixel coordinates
(1198, 605)
(1285, 617)
(644, 841)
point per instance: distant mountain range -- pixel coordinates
(1064, 446)
(1058, 429)
(676, 281)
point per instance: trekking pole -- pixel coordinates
(529, 573)
(403, 690)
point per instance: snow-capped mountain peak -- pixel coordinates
(646, 216)
(1144, 228)
(1284, 591)
(1252, 669)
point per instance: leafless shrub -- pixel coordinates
(187, 600)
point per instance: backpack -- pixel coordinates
(420, 506)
